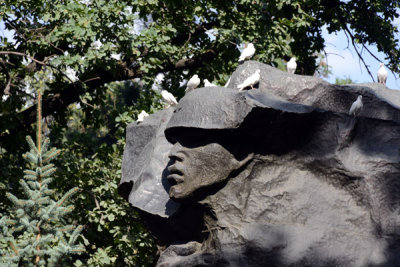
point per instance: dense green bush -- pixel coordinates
(92, 157)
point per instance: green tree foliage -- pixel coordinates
(35, 230)
(87, 115)
(323, 70)
(178, 38)
(92, 158)
(344, 81)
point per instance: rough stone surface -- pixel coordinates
(143, 168)
(276, 176)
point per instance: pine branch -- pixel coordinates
(47, 173)
(30, 157)
(48, 192)
(11, 222)
(48, 166)
(32, 184)
(67, 195)
(47, 181)
(50, 155)
(39, 118)
(77, 250)
(30, 177)
(13, 199)
(13, 247)
(30, 172)
(75, 235)
(32, 144)
(37, 248)
(45, 145)
(66, 210)
(25, 187)
(42, 200)
(67, 228)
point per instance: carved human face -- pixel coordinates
(197, 166)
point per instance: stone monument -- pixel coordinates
(279, 175)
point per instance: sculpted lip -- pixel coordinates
(175, 175)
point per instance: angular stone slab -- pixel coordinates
(146, 151)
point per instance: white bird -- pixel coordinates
(247, 53)
(291, 65)
(116, 56)
(250, 81)
(382, 74)
(192, 83)
(356, 106)
(142, 115)
(168, 98)
(208, 84)
(26, 61)
(71, 74)
(96, 44)
(85, 2)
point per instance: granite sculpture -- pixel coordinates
(279, 175)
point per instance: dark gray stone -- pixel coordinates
(379, 101)
(276, 176)
(143, 167)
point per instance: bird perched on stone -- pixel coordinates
(168, 98)
(291, 65)
(356, 107)
(250, 81)
(247, 53)
(208, 84)
(142, 115)
(192, 83)
(382, 74)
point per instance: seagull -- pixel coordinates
(168, 98)
(247, 53)
(26, 61)
(291, 65)
(96, 44)
(356, 106)
(71, 74)
(192, 83)
(142, 115)
(208, 84)
(250, 81)
(116, 56)
(382, 74)
(85, 2)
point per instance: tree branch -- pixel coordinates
(347, 30)
(24, 55)
(6, 90)
(200, 28)
(189, 63)
(59, 102)
(34, 60)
